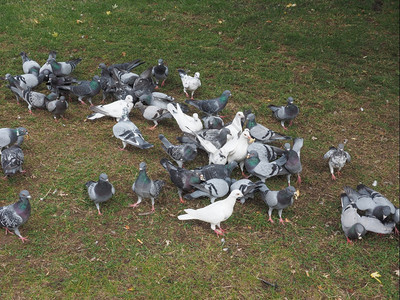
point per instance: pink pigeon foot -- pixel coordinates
(83, 103)
(181, 200)
(121, 149)
(163, 83)
(298, 179)
(23, 239)
(152, 127)
(281, 221)
(333, 177)
(349, 241)
(187, 95)
(218, 232)
(338, 173)
(270, 219)
(290, 123)
(396, 231)
(8, 231)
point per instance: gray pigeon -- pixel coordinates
(144, 85)
(218, 137)
(14, 215)
(356, 226)
(114, 109)
(262, 133)
(212, 188)
(364, 202)
(212, 106)
(125, 77)
(378, 198)
(12, 158)
(144, 187)
(100, 191)
(63, 68)
(266, 152)
(33, 99)
(107, 82)
(217, 171)
(278, 200)
(246, 186)
(23, 82)
(84, 89)
(213, 122)
(128, 133)
(264, 169)
(181, 178)
(214, 213)
(153, 113)
(160, 72)
(46, 68)
(29, 66)
(9, 136)
(57, 107)
(157, 99)
(179, 153)
(285, 113)
(189, 83)
(54, 82)
(293, 164)
(337, 158)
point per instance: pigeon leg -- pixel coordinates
(298, 178)
(163, 83)
(396, 231)
(5, 177)
(281, 221)
(283, 125)
(180, 196)
(333, 177)
(187, 95)
(290, 123)
(155, 125)
(288, 179)
(137, 203)
(22, 171)
(270, 219)
(218, 232)
(23, 239)
(349, 241)
(8, 231)
(338, 173)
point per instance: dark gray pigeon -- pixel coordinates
(217, 171)
(100, 191)
(285, 113)
(14, 215)
(278, 200)
(262, 133)
(84, 89)
(54, 82)
(125, 77)
(212, 188)
(9, 136)
(356, 226)
(144, 85)
(153, 113)
(365, 203)
(107, 82)
(144, 187)
(378, 198)
(57, 107)
(212, 106)
(12, 158)
(246, 186)
(181, 178)
(213, 122)
(264, 169)
(63, 68)
(160, 72)
(265, 151)
(128, 133)
(29, 66)
(179, 153)
(293, 164)
(218, 137)
(337, 158)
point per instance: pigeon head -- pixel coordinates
(62, 99)
(96, 78)
(236, 194)
(142, 166)
(102, 66)
(246, 134)
(341, 147)
(252, 154)
(287, 146)
(129, 98)
(359, 230)
(196, 117)
(103, 177)
(227, 93)
(160, 61)
(21, 131)
(23, 195)
(197, 75)
(290, 100)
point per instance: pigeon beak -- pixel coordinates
(29, 197)
(251, 140)
(248, 155)
(297, 194)
(384, 217)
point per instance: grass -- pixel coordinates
(333, 57)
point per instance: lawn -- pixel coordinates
(337, 59)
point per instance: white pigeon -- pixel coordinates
(189, 83)
(186, 123)
(214, 213)
(337, 158)
(236, 127)
(114, 109)
(153, 113)
(237, 148)
(215, 155)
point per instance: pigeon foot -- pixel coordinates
(272, 221)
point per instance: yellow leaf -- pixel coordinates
(79, 21)
(126, 227)
(140, 241)
(123, 53)
(55, 34)
(36, 21)
(376, 276)
(114, 6)
(131, 289)
(108, 12)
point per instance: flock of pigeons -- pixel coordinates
(242, 143)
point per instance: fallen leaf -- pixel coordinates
(108, 12)
(376, 276)
(131, 289)
(126, 227)
(79, 21)
(36, 21)
(140, 241)
(55, 34)
(308, 275)
(397, 272)
(123, 54)
(114, 6)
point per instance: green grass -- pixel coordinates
(333, 57)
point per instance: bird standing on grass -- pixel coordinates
(337, 158)
(100, 191)
(285, 113)
(189, 83)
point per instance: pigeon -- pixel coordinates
(337, 158)
(218, 137)
(278, 200)
(378, 198)
(54, 82)
(212, 188)
(212, 122)
(33, 99)
(9, 136)
(266, 152)
(179, 153)
(157, 99)
(144, 85)
(100, 191)
(14, 215)
(63, 68)
(215, 155)
(107, 82)
(46, 68)
(364, 202)
(212, 106)
(185, 122)
(128, 133)
(285, 113)
(84, 89)
(12, 158)
(23, 82)
(217, 171)
(29, 66)
(181, 178)
(153, 113)
(264, 169)
(160, 72)
(144, 187)
(355, 226)
(113, 109)
(128, 66)
(189, 83)
(246, 186)
(262, 133)
(125, 77)
(57, 107)
(215, 213)
(236, 128)
(293, 163)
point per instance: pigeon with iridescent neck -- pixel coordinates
(63, 68)
(14, 215)
(160, 72)
(84, 89)
(179, 153)
(144, 187)
(9, 136)
(100, 191)
(211, 106)
(293, 164)
(29, 66)
(264, 169)
(262, 133)
(12, 158)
